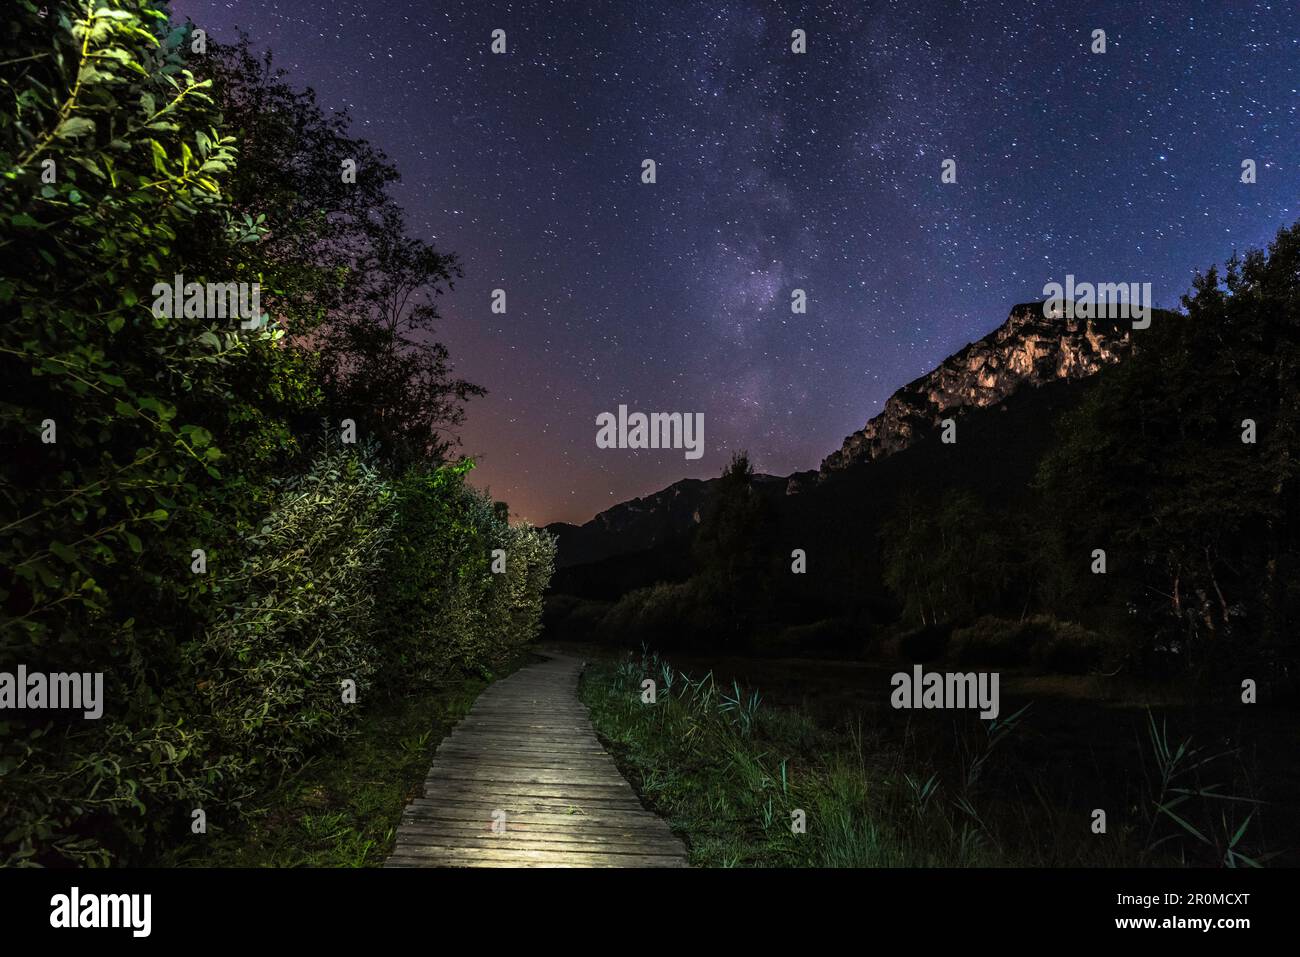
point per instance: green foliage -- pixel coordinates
(1056, 646)
(1181, 795)
(339, 265)
(296, 617)
(730, 773)
(447, 609)
(130, 395)
(131, 440)
(727, 771)
(947, 559)
(340, 809)
(113, 422)
(664, 614)
(1200, 528)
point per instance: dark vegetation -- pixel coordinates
(340, 808)
(982, 551)
(1121, 691)
(183, 509)
(729, 767)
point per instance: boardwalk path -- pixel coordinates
(527, 757)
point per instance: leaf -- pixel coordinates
(64, 552)
(1241, 830)
(88, 165)
(199, 436)
(150, 404)
(74, 126)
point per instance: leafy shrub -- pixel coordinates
(993, 641)
(666, 614)
(446, 611)
(297, 617)
(517, 597)
(1069, 648)
(317, 571)
(112, 158)
(1048, 644)
(575, 619)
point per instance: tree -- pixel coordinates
(113, 423)
(730, 551)
(1199, 524)
(343, 274)
(219, 595)
(947, 559)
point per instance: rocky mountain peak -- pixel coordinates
(1028, 349)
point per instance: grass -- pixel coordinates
(748, 784)
(341, 809)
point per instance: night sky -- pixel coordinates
(779, 171)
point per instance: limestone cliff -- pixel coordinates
(1026, 350)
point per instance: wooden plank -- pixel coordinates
(527, 748)
(579, 844)
(552, 777)
(503, 795)
(514, 857)
(497, 744)
(454, 811)
(478, 824)
(506, 757)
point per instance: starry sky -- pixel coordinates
(777, 171)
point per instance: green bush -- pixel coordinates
(1040, 640)
(349, 577)
(575, 619)
(115, 422)
(297, 617)
(446, 610)
(667, 614)
(993, 641)
(120, 429)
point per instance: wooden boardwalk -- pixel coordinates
(522, 781)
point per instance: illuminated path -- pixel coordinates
(523, 782)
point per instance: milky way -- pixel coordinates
(775, 171)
